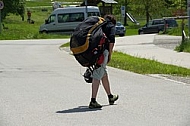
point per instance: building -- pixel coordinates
(105, 5)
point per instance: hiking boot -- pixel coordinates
(94, 105)
(112, 100)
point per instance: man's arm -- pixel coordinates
(111, 45)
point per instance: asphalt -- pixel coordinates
(154, 47)
(41, 85)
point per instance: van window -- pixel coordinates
(51, 19)
(70, 17)
(93, 14)
(63, 18)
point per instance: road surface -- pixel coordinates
(41, 85)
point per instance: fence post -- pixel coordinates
(182, 29)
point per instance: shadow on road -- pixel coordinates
(78, 109)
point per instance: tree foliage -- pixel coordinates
(150, 8)
(13, 6)
(178, 4)
(140, 8)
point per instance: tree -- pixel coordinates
(177, 7)
(179, 4)
(13, 6)
(169, 3)
(150, 8)
(21, 10)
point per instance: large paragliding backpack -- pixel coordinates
(88, 40)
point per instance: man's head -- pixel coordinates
(111, 18)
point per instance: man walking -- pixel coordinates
(100, 74)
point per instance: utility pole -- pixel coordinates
(125, 18)
(188, 12)
(86, 4)
(0, 22)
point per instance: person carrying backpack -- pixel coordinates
(100, 73)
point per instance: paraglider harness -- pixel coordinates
(88, 44)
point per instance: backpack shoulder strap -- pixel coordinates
(85, 46)
(99, 23)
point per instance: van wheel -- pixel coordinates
(45, 31)
(121, 35)
(141, 32)
(159, 31)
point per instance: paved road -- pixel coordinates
(41, 85)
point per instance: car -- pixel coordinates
(65, 20)
(119, 29)
(157, 25)
(170, 23)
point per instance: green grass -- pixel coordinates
(38, 3)
(145, 66)
(131, 32)
(132, 29)
(65, 45)
(184, 46)
(18, 29)
(174, 31)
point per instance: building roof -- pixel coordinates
(109, 1)
(95, 2)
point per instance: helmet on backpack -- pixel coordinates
(88, 76)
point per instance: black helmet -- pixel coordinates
(88, 75)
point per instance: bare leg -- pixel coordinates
(106, 84)
(95, 87)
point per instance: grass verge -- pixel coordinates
(184, 46)
(145, 66)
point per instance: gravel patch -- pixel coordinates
(177, 79)
(168, 42)
(185, 80)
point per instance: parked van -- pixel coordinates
(66, 19)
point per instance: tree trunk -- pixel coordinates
(147, 13)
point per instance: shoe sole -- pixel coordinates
(94, 107)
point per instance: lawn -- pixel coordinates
(18, 29)
(140, 65)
